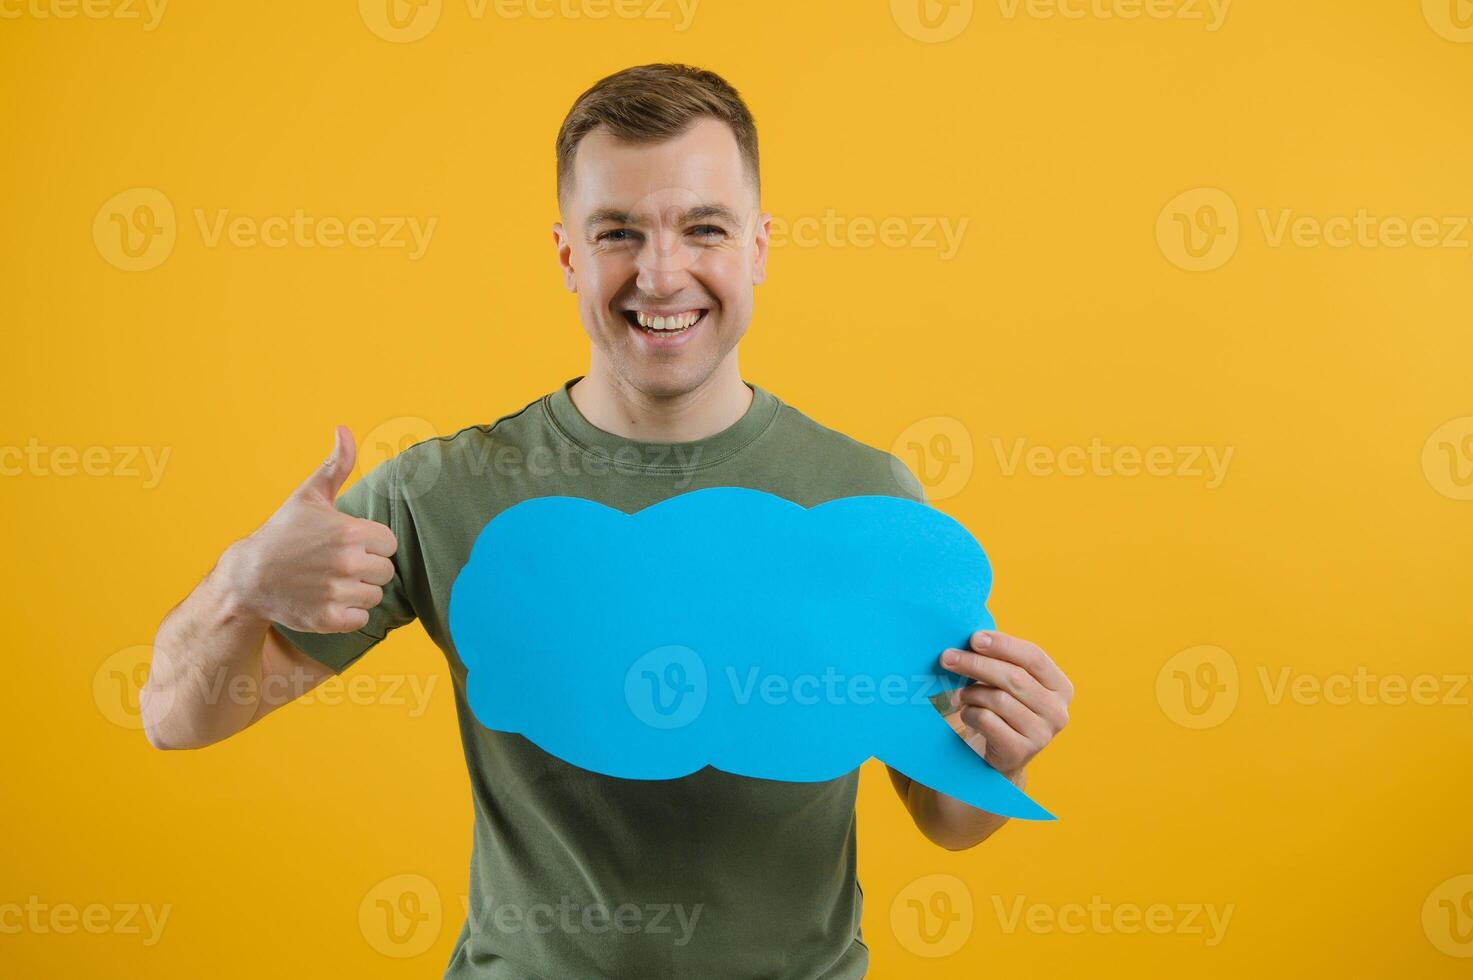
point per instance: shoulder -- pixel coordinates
(414, 464)
(473, 441)
(862, 467)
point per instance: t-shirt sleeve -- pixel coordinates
(376, 496)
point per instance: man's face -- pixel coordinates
(663, 243)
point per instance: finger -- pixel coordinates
(346, 620)
(360, 595)
(375, 570)
(976, 741)
(1027, 655)
(377, 538)
(1002, 741)
(998, 673)
(1017, 715)
(328, 479)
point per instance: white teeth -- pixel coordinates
(667, 324)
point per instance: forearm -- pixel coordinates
(205, 676)
(948, 822)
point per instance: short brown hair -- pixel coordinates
(652, 103)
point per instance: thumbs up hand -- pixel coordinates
(311, 567)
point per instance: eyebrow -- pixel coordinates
(701, 212)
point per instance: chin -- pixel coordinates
(675, 370)
(667, 381)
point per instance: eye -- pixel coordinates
(708, 231)
(615, 235)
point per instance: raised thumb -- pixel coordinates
(328, 479)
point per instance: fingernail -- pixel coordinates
(951, 658)
(982, 641)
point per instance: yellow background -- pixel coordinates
(1333, 543)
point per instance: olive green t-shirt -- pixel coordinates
(575, 874)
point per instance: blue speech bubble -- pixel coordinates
(732, 628)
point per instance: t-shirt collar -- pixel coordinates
(659, 456)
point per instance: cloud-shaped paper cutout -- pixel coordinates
(732, 628)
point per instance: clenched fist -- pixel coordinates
(311, 567)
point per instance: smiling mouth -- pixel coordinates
(664, 324)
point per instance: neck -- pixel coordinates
(614, 405)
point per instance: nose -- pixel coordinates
(663, 263)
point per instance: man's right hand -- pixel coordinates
(311, 567)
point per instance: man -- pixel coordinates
(662, 242)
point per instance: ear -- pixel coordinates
(565, 256)
(762, 235)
